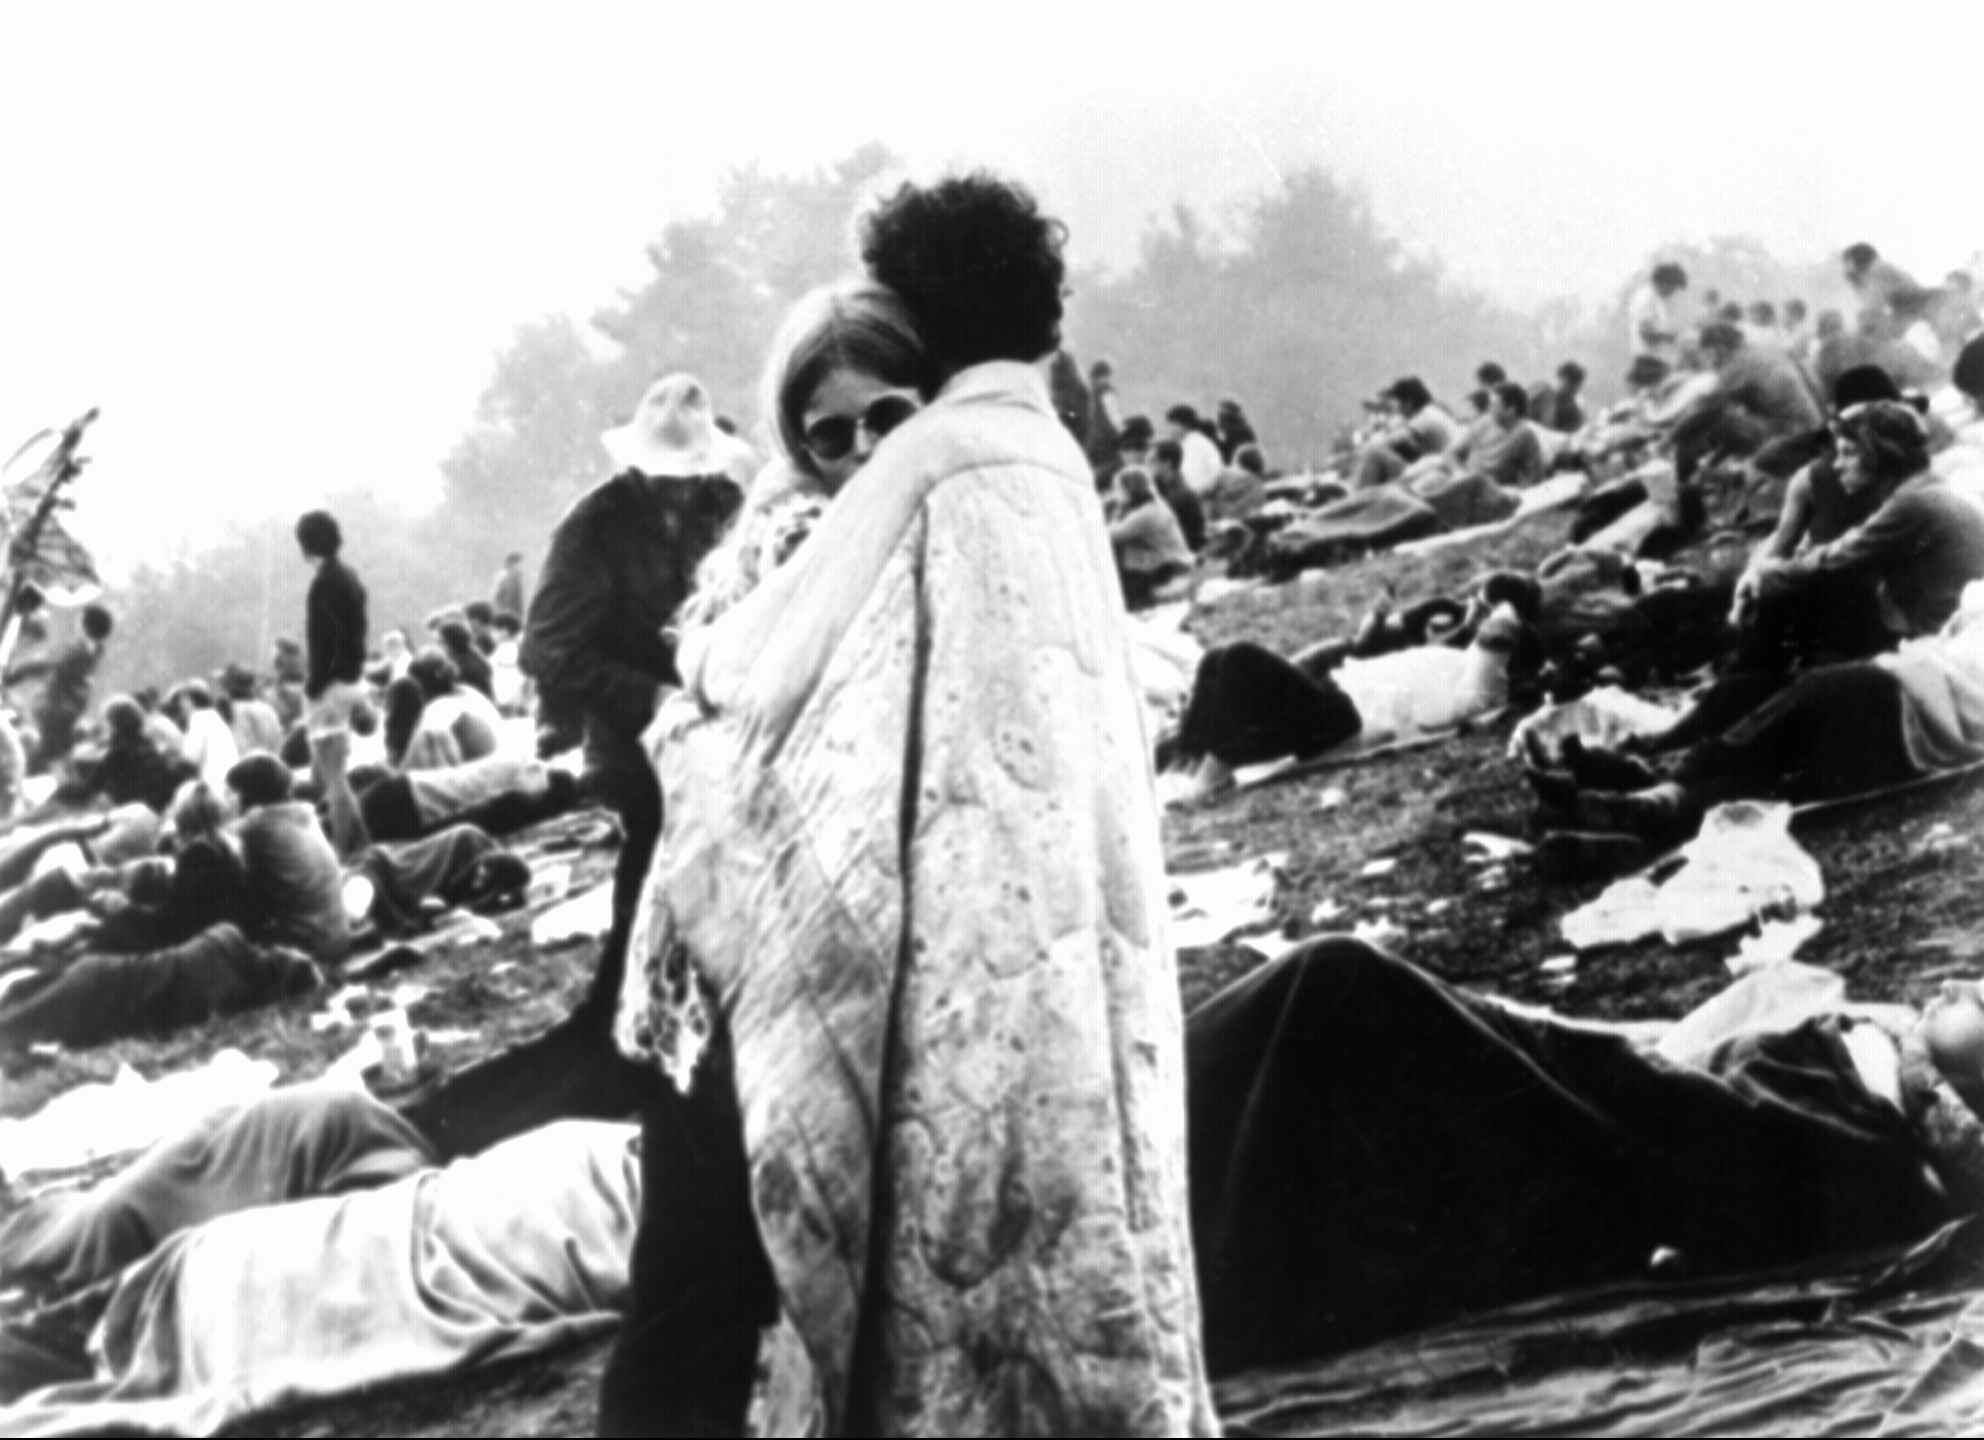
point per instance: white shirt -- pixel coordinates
(209, 747)
(1201, 464)
(1649, 310)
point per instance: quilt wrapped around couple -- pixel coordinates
(913, 851)
(513, 1252)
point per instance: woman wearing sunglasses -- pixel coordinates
(901, 955)
(842, 375)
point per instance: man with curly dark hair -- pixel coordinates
(921, 1027)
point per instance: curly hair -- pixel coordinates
(855, 325)
(978, 266)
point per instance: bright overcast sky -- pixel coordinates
(278, 244)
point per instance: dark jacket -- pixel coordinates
(334, 627)
(622, 562)
(474, 670)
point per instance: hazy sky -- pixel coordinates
(279, 245)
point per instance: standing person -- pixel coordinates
(1105, 416)
(334, 631)
(509, 592)
(1653, 316)
(66, 696)
(596, 642)
(1071, 395)
(922, 1031)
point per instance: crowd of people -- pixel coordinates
(886, 983)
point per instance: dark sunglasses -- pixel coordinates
(832, 436)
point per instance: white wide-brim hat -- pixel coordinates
(673, 433)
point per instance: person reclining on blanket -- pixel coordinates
(1548, 1155)
(129, 767)
(1892, 548)
(498, 793)
(1834, 731)
(1248, 705)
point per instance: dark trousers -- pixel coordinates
(1249, 705)
(1833, 619)
(1833, 731)
(573, 1070)
(701, 1287)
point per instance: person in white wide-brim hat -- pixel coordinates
(596, 643)
(674, 436)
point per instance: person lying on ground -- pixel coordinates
(164, 900)
(498, 793)
(128, 768)
(1835, 730)
(461, 865)
(1248, 705)
(96, 997)
(1551, 1155)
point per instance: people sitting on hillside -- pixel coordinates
(1168, 479)
(253, 720)
(209, 746)
(451, 724)
(1422, 428)
(1200, 459)
(129, 766)
(1234, 429)
(1150, 546)
(1759, 395)
(1504, 450)
(294, 882)
(457, 641)
(1557, 407)
(499, 793)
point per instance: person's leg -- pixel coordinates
(1249, 705)
(701, 1286)
(40, 895)
(330, 753)
(20, 850)
(388, 812)
(1836, 730)
(1728, 699)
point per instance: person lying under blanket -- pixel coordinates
(1248, 705)
(499, 793)
(1548, 1155)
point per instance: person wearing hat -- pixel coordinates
(596, 639)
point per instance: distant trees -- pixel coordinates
(1298, 303)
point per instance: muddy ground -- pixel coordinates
(1902, 911)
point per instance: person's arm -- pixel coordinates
(569, 615)
(319, 637)
(1889, 532)
(1793, 518)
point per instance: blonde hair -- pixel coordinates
(197, 810)
(852, 325)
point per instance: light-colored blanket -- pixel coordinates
(913, 848)
(510, 1253)
(1942, 681)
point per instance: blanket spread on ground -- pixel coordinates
(913, 848)
(512, 1252)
